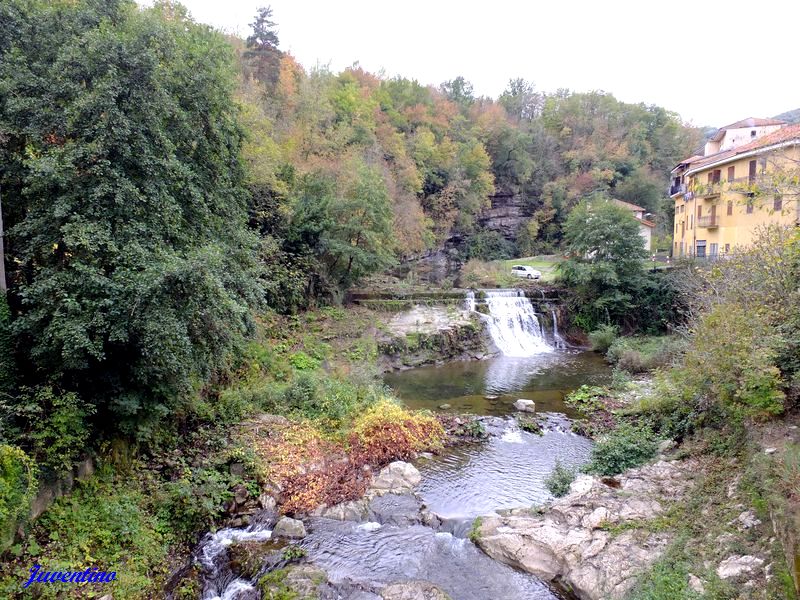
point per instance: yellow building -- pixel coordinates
(747, 177)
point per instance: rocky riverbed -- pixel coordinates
(595, 540)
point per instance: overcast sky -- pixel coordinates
(713, 62)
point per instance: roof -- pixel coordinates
(629, 206)
(782, 135)
(748, 122)
(645, 222)
(690, 160)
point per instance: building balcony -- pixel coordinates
(709, 222)
(708, 191)
(677, 188)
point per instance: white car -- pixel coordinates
(525, 272)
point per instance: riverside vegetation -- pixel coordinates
(184, 210)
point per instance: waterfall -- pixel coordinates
(469, 303)
(557, 339)
(512, 323)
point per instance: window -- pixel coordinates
(713, 250)
(701, 249)
(751, 176)
(762, 163)
(731, 173)
(691, 221)
(777, 203)
(727, 248)
(730, 207)
(716, 176)
(752, 133)
(699, 211)
(749, 206)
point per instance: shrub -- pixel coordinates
(18, 485)
(623, 448)
(303, 362)
(192, 502)
(387, 432)
(101, 523)
(602, 337)
(489, 245)
(586, 399)
(7, 364)
(639, 354)
(53, 424)
(559, 480)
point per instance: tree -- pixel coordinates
(359, 240)
(262, 52)
(458, 90)
(135, 271)
(521, 100)
(605, 263)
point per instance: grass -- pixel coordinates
(546, 264)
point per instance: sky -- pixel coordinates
(713, 62)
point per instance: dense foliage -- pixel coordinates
(133, 272)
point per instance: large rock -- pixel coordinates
(525, 405)
(569, 543)
(413, 590)
(353, 510)
(289, 528)
(398, 478)
(736, 566)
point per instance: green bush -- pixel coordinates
(489, 245)
(53, 424)
(639, 354)
(559, 480)
(7, 365)
(194, 501)
(586, 399)
(18, 485)
(623, 448)
(303, 362)
(602, 337)
(102, 523)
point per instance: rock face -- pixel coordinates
(289, 528)
(570, 545)
(508, 211)
(413, 590)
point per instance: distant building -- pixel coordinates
(738, 184)
(645, 227)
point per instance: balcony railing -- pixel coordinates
(708, 222)
(708, 190)
(677, 188)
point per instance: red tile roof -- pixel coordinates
(784, 134)
(629, 206)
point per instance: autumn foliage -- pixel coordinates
(308, 469)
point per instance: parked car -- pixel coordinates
(525, 272)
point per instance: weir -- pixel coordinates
(513, 324)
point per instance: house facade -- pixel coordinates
(645, 226)
(746, 178)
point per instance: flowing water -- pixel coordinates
(505, 471)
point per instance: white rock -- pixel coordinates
(525, 405)
(770, 450)
(736, 566)
(746, 520)
(398, 477)
(290, 528)
(696, 584)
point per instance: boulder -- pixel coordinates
(354, 510)
(413, 590)
(736, 566)
(525, 405)
(398, 477)
(289, 528)
(568, 544)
